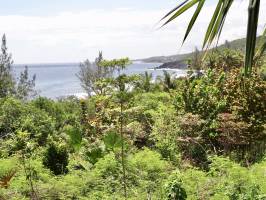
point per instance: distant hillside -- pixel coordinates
(164, 59)
(178, 61)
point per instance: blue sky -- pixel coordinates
(73, 30)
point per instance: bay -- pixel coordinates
(59, 80)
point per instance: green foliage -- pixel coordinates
(112, 140)
(56, 159)
(145, 82)
(91, 74)
(152, 168)
(75, 136)
(224, 60)
(38, 124)
(95, 154)
(8, 168)
(175, 191)
(11, 111)
(141, 140)
(116, 64)
(25, 87)
(7, 82)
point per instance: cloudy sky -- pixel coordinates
(41, 31)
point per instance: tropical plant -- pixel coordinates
(8, 169)
(167, 81)
(175, 191)
(56, 159)
(217, 22)
(145, 82)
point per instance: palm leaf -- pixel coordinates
(194, 18)
(213, 21)
(253, 16)
(216, 24)
(173, 10)
(180, 10)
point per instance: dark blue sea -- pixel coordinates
(59, 80)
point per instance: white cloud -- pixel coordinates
(68, 37)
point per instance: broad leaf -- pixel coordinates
(75, 136)
(112, 140)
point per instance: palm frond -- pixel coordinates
(183, 7)
(173, 10)
(194, 18)
(253, 17)
(216, 24)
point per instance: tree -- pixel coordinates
(7, 82)
(91, 74)
(8, 86)
(25, 86)
(122, 96)
(115, 64)
(195, 63)
(145, 82)
(216, 24)
(168, 82)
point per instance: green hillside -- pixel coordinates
(234, 44)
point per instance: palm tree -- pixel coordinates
(216, 25)
(146, 81)
(168, 82)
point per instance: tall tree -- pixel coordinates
(216, 24)
(145, 82)
(24, 88)
(7, 82)
(122, 97)
(90, 74)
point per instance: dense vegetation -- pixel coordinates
(197, 137)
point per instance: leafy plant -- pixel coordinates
(56, 159)
(112, 141)
(75, 136)
(8, 169)
(175, 191)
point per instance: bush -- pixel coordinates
(56, 159)
(11, 111)
(175, 191)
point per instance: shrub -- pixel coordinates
(175, 191)
(11, 111)
(56, 159)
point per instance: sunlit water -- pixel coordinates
(57, 80)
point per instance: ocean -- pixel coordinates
(60, 80)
